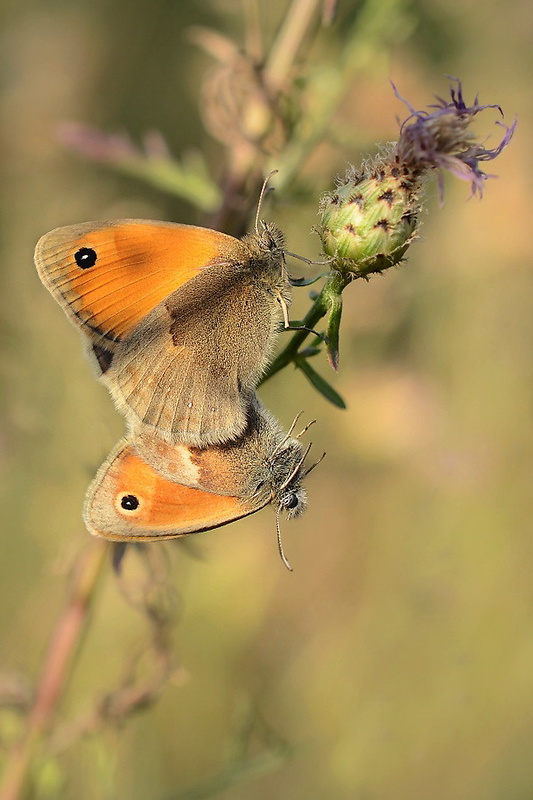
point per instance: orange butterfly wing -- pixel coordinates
(129, 501)
(180, 319)
(109, 275)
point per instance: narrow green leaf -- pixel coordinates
(309, 352)
(332, 333)
(320, 384)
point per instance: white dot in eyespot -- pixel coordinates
(190, 405)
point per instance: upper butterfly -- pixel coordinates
(180, 321)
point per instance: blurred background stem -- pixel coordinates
(246, 156)
(58, 664)
(285, 49)
(378, 24)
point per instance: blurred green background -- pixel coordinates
(397, 659)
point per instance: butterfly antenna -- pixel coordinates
(280, 543)
(311, 468)
(308, 260)
(262, 197)
(299, 435)
(287, 435)
(296, 469)
(293, 425)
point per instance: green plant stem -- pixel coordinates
(59, 661)
(336, 282)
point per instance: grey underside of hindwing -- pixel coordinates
(188, 367)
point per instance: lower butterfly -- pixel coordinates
(149, 490)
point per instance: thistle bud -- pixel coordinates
(368, 222)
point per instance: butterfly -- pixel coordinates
(179, 321)
(149, 490)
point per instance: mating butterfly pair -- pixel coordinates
(179, 322)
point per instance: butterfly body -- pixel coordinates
(179, 321)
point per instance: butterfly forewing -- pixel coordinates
(110, 275)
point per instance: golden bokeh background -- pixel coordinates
(397, 659)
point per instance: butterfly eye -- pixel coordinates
(85, 257)
(291, 501)
(129, 502)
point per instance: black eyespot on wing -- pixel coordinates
(85, 257)
(129, 502)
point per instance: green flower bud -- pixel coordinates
(370, 219)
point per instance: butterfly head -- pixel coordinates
(281, 478)
(266, 246)
(288, 469)
(270, 238)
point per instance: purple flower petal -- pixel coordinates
(440, 139)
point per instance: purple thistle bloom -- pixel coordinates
(440, 139)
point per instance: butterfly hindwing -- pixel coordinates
(129, 501)
(190, 365)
